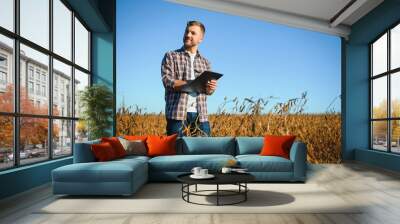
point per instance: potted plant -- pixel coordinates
(96, 102)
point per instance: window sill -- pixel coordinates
(26, 167)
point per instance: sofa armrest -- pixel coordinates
(298, 155)
(83, 152)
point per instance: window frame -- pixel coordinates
(388, 74)
(16, 114)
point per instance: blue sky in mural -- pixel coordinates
(258, 59)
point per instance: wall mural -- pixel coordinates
(276, 79)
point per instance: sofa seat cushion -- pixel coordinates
(112, 171)
(185, 163)
(257, 163)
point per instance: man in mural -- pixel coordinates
(186, 110)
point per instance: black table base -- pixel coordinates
(241, 191)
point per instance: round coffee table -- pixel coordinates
(238, 179)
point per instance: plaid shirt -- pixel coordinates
(176, 66)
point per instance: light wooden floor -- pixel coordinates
(377, 188)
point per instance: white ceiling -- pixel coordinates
(317, 15)
(321, 9)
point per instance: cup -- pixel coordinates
(203, 172)
(226, 170)
(196, 170)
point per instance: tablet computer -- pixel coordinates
(199, 84)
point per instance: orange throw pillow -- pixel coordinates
(277, 145)
(103, 152)
(161, 145)
(116, 145)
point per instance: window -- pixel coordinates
(37, 89)
(62, 130)
(7, 14)
(385, 94)
(379, 56)
(30, 72)
(62, 74)
(33, 149)
(81, 45)
(43, 90)
(3, 78)
(34, 21)
(395, 47)
(3, 72)
(81, 81)
(55, 103)
(30, 87)
(37, 74)
(55, 128)
(7, 141)
(6, 74)
(62, 29)
(3, 61)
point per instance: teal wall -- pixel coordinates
(103, 63)
(356, 84)
(24, 178)
(381, 159)
(99, 16)
(102, 58)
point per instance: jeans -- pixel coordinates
(176, 126)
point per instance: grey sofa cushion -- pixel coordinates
(135, 147)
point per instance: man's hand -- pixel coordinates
(178, 84)
(211, 86)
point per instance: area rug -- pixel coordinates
(167, 198)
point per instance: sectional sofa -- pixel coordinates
(125, 176)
